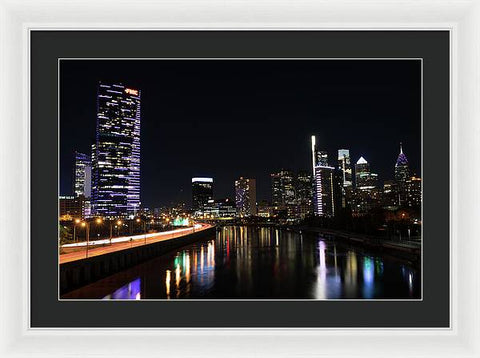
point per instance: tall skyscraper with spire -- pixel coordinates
(402, 174)
(366, 182)
(116, 152)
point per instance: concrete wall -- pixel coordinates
(79, 273)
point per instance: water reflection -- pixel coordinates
(131, 291)
(368, 277)
(246, 262)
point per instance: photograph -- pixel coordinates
(240, 179)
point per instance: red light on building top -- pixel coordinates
(131, 91)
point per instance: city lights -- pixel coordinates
(152, 208)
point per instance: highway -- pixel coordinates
(77, 251)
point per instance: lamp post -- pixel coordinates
(86, 224)
(118, 223)
(138, 220)
(75, 222)
(87, 234)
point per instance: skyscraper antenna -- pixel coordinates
(401, 149)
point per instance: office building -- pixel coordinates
(71, 207)
(82, 184)
(364, 179)
(202, 192)
(402, 174)
(304, 188)
(345, 170)
(220, 208)
(390, 195)
(116, 152)
(246, 197)
(344, 167)
(283, 187)
(319, 157)
(304, 194)
(414, 192)
(366, 195)
(325, 193)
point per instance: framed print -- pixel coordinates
(292, 185)
(141, 218)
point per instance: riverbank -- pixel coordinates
(408, 250)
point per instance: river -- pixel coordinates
(262, 263)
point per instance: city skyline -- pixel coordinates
(293, 153)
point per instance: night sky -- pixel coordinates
(232, 118)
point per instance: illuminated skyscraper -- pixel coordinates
(83, 175)
(304, 188)
(319, 157)
(202, 192)
(345, 171)
(345, 167)
(367, 194)
(304, 194)
(390, 195)
(246, 196)
(116, 152)
(363, 178)
(325, 203)
(402, 174)
(314, 155)
(414, 192)
(283, 187)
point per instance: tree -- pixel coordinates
(65, 234)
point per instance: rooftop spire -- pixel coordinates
(362, 161)
(402, 158)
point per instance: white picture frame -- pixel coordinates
(461, 18)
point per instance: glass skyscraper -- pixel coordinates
(246, 196)
(319, 157)
(325, 186)
(402, 174)
(116, 152)
(82, 184)
(202, 193)
(283, 187)
(345, 167)
(367, 194)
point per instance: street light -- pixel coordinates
(75, 222)
(86, 224)
(144, 229)
(119, 223)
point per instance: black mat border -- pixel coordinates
(48, 46)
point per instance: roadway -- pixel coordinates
(77, 251)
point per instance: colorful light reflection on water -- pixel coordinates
(263, 263)
(130, 291)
